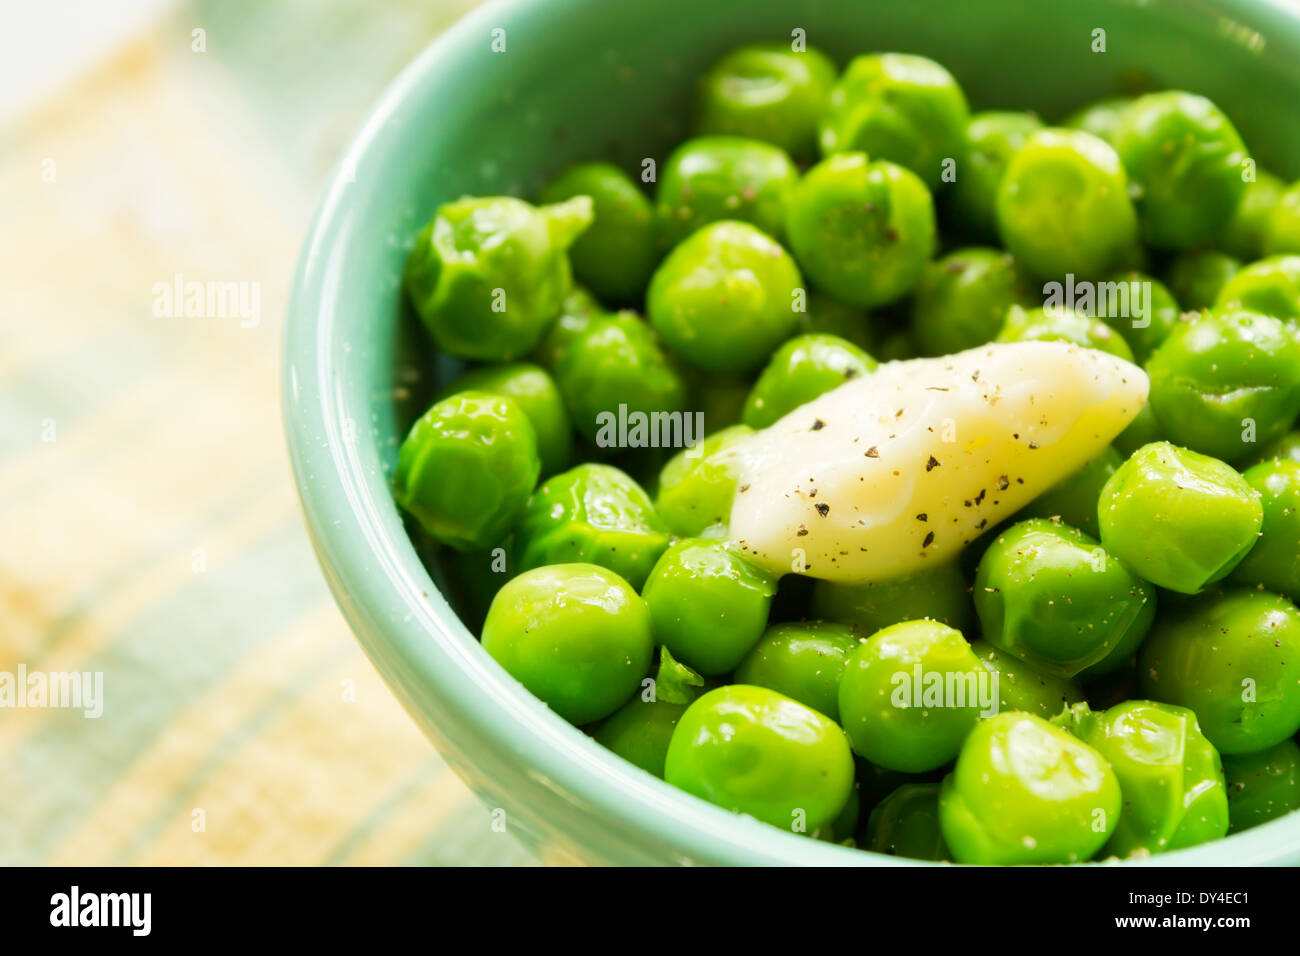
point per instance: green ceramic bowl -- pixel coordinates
(589, 78)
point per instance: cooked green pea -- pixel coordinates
(616, 361)
(697, 485)
(1262, 786)
(1234, 659)
(1060, 324)
(1055, 598)
(1270, 286)
(716, 178)
(939, 593)
(803, 661)
(617, 253)
(1023, 687)
(596, 514)
(899, 107)
(1143, 430)
(1245, 233)
(641, 729)
(1074, 501)
(576, 635)
(767, 91)
(488, 275)
(862, 230)
(991, 139)
(725, 297)
(752, 750)
(1196, 278)
(906, 824)
(1063, 206)
(1286, 448)
(1101, 119)
(466, 469)
(1140, 309)
(535, 393)
(1282, 233)
(1225, 381)
(799, 371)
(1186, 161)
(1274, 561)
(1180, 519)
(963, 298)
(577, 313)
(910, 694)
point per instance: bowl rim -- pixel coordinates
(409, 630)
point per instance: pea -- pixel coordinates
(697, 485)
(752, 750)
(939, 593)
(1024, 687)
(466, 469)
(1053, 597)
(1143, 327)
(898, 107)
(577, 313)
(1059, 324)
(1274, 561)
(906, 824)
(803, 661)
(1074, 501)
(1262, 786)
(716, 178)
(1234, 659)
(724, 298)
(1245, 233)
(1169, 773)
(617, 253)
(910, 695)
(1179, 519)
(1225, 381)
(1024, 791)
(576, 635)
(1270, 286)
(537, 397)
(767, 91)
(595, 514)
(799, 371)
(1282, 233)
(1286, 448)
(1063, 206)
(1196, 278)
(862, 230)
(843, 827)
(486, 276)
(709, 605)
(991, 139)
(1186, 161)
(963, 298)
(1101, 119)
(616, 361)
(1142, 430)
(641, 729)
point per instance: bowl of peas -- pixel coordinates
(815, 434)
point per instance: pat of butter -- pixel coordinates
(900, 469)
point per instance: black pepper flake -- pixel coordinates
(899, 413)
(932, 463)
(929, 540)
(1033, 446)
(872, 452)
(744, 488)
(818, 425)
(823, 508)
(1003, 482)
(923, 517)
(802, 531)
(980, 497)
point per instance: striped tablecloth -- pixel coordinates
(149, 532)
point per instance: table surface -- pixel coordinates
(151, 531)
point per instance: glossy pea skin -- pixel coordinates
(1225, 382)
(576, 635)
(898, 107)
(1178, 518)
(466, 469)
(1024, 791)
(800, 370)
(577, 313)
(906, 824)
(1274, 561)
(826, 316)
(862, 230)
(697, 485)
(487, 275)
(1055, 598)
(1101, 119)
(1195, 278)
(1185, 160)
(804, 661)
(1245, 233)
(991, 139)
(616, 254)
(537, 396)
(1262, 786)
(616, 360)
(709, 605)
(641, 729)
(724, 298)
(1282, 233)
(1024, 687)
(767, 91)
(1286, 448)
(594, 514)
(963, 298)
(1270, 286)
(1074, 501)
(939, 593)
(1140, 309)
(896, 722)
(1060, 324)
(1234, 659)
(716, 178)
(752, 750)
(1063, 206)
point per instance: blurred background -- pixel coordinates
(149, 530)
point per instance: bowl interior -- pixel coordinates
(583, 79)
